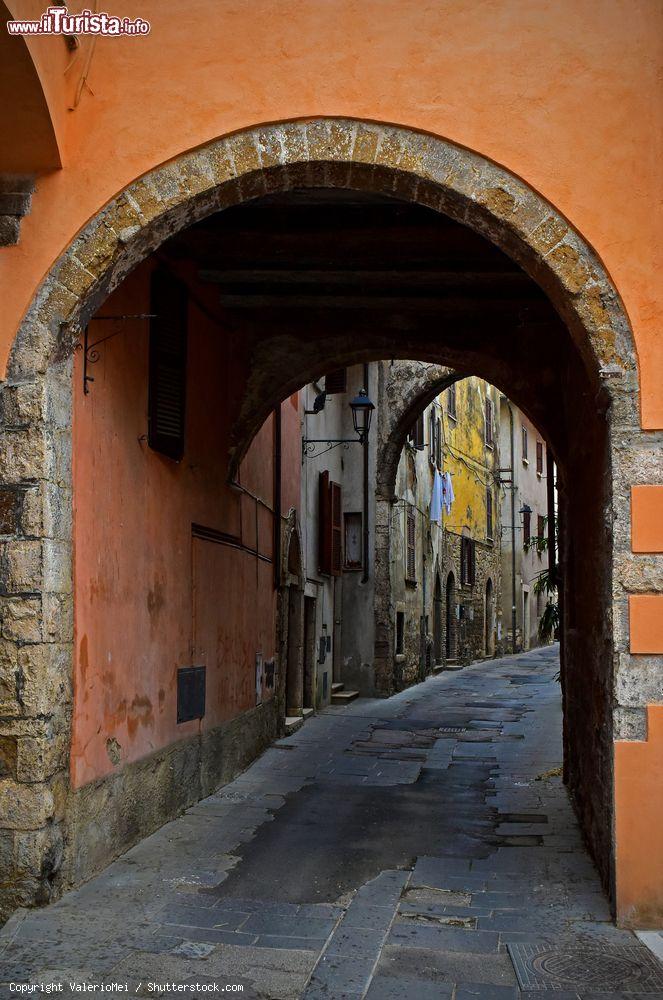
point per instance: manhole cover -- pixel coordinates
(590, 968)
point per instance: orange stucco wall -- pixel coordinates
(639, 821)
(564, 94)
(149, 597)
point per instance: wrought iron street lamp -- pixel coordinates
(362, 413)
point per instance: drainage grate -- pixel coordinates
(589, 968)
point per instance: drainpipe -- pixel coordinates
(277, 497)
(550, 489)
(513, 531)
(364, 577)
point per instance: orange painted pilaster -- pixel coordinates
(638, 826)
(647, 518)
(646, 623)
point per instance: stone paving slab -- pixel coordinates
(395, 848)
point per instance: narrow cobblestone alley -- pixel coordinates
(421, 846)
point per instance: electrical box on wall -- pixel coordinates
(190, 693)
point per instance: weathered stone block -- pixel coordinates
(57, 567)
(58, 617)
(244, 152)
(31, 518)
(22, 619)
(9, 510)
(10, 230)
(8, 757)
(57, 512)
(22, 455)
(57, 458)
(22, 404)
(39, 758)
(45, 678)
(25, 807)
(21, 567)
(39, 851)
(33, 349)
(96, 246)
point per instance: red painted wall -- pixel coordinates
(149, 598)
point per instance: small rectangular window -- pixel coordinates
(524, 444)
(411, 545)
(336, 381)
(451, 400)
(400, 633)
(539, 457)
(489, 513)
(467, 560)
(166, 408)
(416, 435)
(353, 541)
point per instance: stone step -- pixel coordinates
(343, 697)
(337, 686)
(307, 713)
(293, 723)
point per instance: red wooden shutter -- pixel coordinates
(324, 524)
(336, 530)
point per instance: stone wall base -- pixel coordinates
(109, 816)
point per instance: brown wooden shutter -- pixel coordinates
(336, 530)
(336, 381)
(411, 558)
(167, 365)
(539, 457)
(473, 560)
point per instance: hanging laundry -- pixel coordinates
(436, 500)
(447, 492)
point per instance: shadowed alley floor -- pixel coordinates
(421, 846)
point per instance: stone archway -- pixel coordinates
(38, 810)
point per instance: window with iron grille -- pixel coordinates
(524, 444)
(336, 381)
(416, 435)
(451, 400)
(166, 406)
(527, 526)
(539, 457)
(411, 545)
(489, 423)
(489, 512)
(467, 560)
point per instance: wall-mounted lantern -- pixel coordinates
(362, 413)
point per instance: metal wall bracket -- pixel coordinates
(90, 352)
